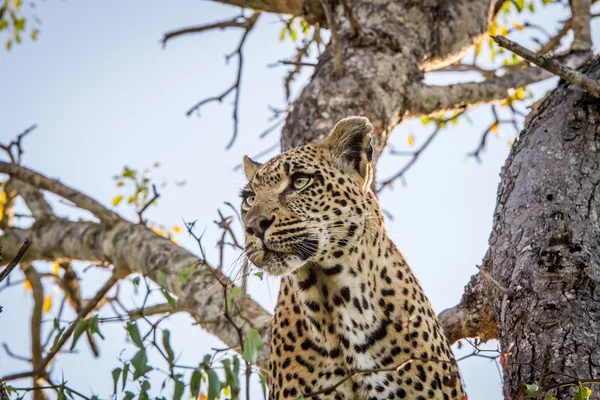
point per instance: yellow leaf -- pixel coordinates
(505, 102)
(454, 121)
(478, 48)
(47, 303)
(494, 127)
(410, 140)
(202, 396)
(3, 198)
(425, 120)
(55, 268)
(117, 200)
(226, 391)
(520, 94)
(159, 231)
(493, 29)
(518, 26)
(17, 4)
(176, 229)
(512, 141)
(27, 285)
(504, 31)
(174, 241)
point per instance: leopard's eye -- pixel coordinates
(300, 181)
(248, 201)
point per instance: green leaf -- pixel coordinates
(125, 373)
(116, 200)
(195, 382)
(260, 275)
(59, 332)
(583, 393)
(550, 397)
(263, 384)
(170, 299)
(161, 279)
(144, 391)
(252, 346)
(179, 388)
(531, 390)
(186, 273)
(93, 328)
(136, 281)
(167, 345)
(8, 44)
(214, 384)
(116, 373)
(235, 291)
(231, 379)
(139, 363)
(532, 7)
(80, 328)
(3, 24)
(134, 334)
(128, 396)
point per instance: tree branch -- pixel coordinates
(427, 100)
(580, 22)
(237, 22)
(564, 72)
(44, 183)
(6, 271)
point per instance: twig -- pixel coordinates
(4, 273)
(566, 73)
(259, 155)
(338, 64)
(16, 158)
(554, 42)
(415, 155)
(155, 197)
(250, 22)
(237, 22)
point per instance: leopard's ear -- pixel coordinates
(349, 143)
(250, 167)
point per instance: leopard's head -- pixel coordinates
(310, 204)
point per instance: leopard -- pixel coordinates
(351, 320)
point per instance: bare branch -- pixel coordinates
(338, 63)
(566, 73)
(427, 100)
(250, 22)
(554, 41)
(580, 22)
(155, 196)
(36, 325)
(6, 271)
(15, 157)
(237, 22)
(52, 185)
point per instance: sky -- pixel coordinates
(105, 94)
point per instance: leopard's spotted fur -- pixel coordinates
(349, 303)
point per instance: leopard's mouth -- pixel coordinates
(277, 261)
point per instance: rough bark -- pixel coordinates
(544, 247)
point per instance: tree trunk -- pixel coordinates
(544, 247)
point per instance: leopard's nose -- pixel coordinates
(258, 226)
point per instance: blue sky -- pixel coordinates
(105, 94)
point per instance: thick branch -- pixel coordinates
(474, 316)
(428, 100)
(34, 199)
(237, 22)
(41, 182)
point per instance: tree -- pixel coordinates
(374, 66)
